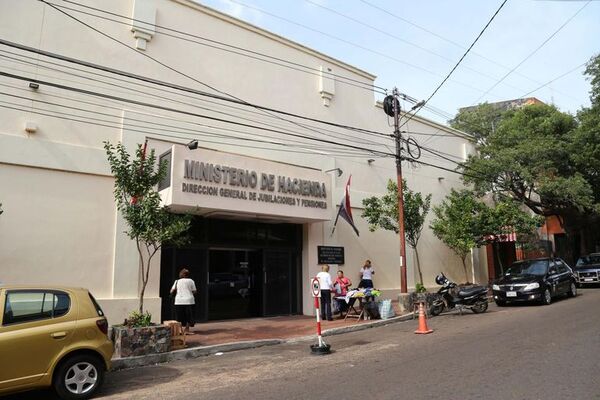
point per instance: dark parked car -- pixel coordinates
(535, 280)
(587, 270)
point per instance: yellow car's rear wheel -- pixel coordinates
(78, 377)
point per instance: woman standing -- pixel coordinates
(184, 290)
(366, 273)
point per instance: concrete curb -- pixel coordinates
(185, 354)
(195, 352)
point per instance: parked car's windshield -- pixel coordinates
(533, 267)
(588, 260)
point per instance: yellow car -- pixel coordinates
(52, 337)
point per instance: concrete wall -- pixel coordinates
(60, 224)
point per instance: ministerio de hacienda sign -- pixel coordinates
(209, 180)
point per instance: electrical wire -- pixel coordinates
(403, 19)
(460, 60)
(533, 52)
(236, 49)
(342, 40)
(70, 73)
(553, 80)
(160, 126)
(189, 113)
(346, 137)
(228, 95)
(179, 87)
(162, 134)
(402, 40)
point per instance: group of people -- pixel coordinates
(184, 290)
(340, 286)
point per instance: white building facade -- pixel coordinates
(257, 228)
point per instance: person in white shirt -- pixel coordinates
(184, 290)
(366, 274)
(326, 286)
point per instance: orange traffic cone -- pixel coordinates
(423, 329)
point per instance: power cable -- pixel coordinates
(398, 38)
(533, 52)
(459, 61)
(350, 138)
(86, 121)
(347, 136)
(145, 121)
(237, 49)
(553, 80)
(370, 50)
(169, 67)
(164, 108)
(178, 87)
(403, 19)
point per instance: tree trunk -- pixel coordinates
(499, 259)
(418, 265)
(142, 274)
(465, 268)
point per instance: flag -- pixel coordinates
(345, 210)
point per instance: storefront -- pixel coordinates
(245, 242)
(241, 269)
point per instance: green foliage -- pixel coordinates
(138, 319)
(481, 121)
(528, 159)
(382, 213)
(149, 224)
(592, 70)
(456, 222)
(463, 222)
(419, 288)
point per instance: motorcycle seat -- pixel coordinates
(472, 291)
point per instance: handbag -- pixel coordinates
(174, 292)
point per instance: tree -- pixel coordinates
(463, 222)
(543, 158)
(456, 223)
(382, 213)
(585, 152)
(149, 224)
(530, 158)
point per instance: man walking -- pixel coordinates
(326, 285)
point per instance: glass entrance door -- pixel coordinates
(233, 284)
(277, 280)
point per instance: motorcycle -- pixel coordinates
(473, 298)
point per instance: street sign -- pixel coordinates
(315, 287)
(330, 255)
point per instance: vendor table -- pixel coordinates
(352, 312)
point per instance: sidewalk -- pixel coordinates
(211, 333)
(223, 336)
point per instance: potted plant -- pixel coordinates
(139, 336)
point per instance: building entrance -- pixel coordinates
(242, 269)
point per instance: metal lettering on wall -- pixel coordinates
(251, 185)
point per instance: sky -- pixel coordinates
(413, 45)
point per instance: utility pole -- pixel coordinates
(399, 158)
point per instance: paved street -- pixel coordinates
(519, 352)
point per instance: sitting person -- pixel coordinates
(341, 285)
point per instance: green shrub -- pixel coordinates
(139, 320)
(420, 288)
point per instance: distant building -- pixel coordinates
(509, 104)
